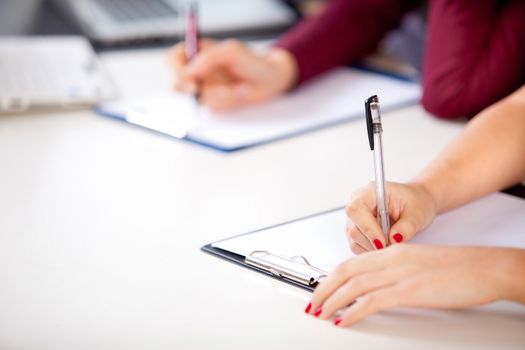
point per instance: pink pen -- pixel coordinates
(192, 30)
(192, 38)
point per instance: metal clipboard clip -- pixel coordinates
(296, 268)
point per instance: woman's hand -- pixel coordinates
(228, 74)
(421, 276)
(411, 209)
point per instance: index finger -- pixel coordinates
(227, 53)
(361, 212)
(177, 56)
(372, 261)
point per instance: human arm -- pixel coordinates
(230, 75)
(436, 277)
(343, 34)
(474, 55)
(489, 155)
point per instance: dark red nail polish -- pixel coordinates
(318, 312)
(398, 237)
(308, 308)
(337, 321)
(378, 244)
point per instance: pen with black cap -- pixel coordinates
(375, 130)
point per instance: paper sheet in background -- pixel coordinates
(495, 220)
(335, 97)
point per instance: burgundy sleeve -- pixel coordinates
(343, 33)
(475, 55)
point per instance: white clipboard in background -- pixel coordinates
(335, 97)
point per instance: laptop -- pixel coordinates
(43, 72)
(115, 21)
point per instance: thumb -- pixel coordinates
(403, 230)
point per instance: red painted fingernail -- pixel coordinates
(318, 312)
(337, 321)
(398, 237)
(378, 244)
(308, 308)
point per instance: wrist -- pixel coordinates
(507, 275)
(436, 181)
(285, 66)
(427, 196)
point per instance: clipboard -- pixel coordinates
(301, 252)
(295, 270)
(268, 264)
(310, 107)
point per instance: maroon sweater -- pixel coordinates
(474, 54)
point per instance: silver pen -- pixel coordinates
(375, 130)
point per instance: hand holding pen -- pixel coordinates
(372, 209)
(229, 74)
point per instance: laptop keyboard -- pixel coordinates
(129, 10)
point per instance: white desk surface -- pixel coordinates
(101, 225)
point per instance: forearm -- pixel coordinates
(474, 55)
(508, 275)
(488, 156)
(345, 32)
